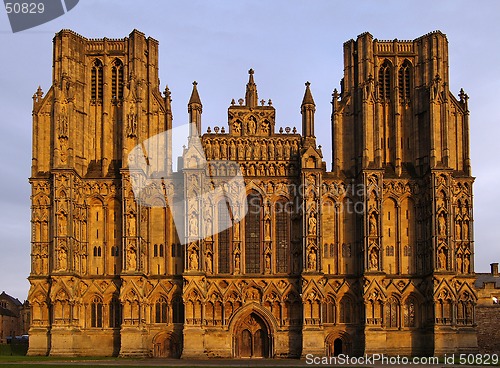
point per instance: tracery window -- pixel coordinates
(329, 310)
(384, 79)
(115, 313)
(97, 251)
(96, 312)
(410, 312)
(177, 310)
(392, 313)
(224, 236)
(97, 80)
(253, 234)
(117, 80)
(161, 310)
(346, 310)
(404, 78)
(282, 216)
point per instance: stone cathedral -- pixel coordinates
(373, 256)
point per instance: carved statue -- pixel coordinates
(232, 151)
(442, 224)
(256, 151)
(458, 229)
(251, 125)
(62, 224)
(237, 262)
(237, 127)
(193, 225)
(236, 230)
(442, 259)
(312, 224)
(223, 150)
(216, 150)
(248, 151)
(459, 263)
(209, 263)
(193, 260)
(131, 123)
(466, 264)
(267, 229)
(63, 258)
(132, 259)
(208, 149)
(465, 229)
(268, 262)
(279, 151)
(374, 259)
(271, 150)
(311, 260)
(131, 225)
(373, 224)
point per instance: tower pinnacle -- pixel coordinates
(251, 98)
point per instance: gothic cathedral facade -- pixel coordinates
(373, 256)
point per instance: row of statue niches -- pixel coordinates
(251, 149)
(250, 169)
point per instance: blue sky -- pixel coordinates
(215, 42)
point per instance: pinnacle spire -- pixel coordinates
(251, 98)
(195, 97)
(308, 98)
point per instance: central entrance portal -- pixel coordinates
(252, 338)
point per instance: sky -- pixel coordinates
(286, 42)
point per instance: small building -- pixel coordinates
(14, 317)
(488, 310)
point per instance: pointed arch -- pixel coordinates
(385, 80)
(282, 218)
(96, 81)
(404, 81)
(253, 233)
(117, 80)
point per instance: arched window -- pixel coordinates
(224, 236)
(410, 313)
(346, 310)
(392, 313)
(97, 251)
(97, 80)
(282, 216)
(161, 310)
(177, 310)
(162, 250)
(155, 251)
(384, 80)
(115, 313)
(253, 234)
(404, 78)
(117, 80)
(96, 312)
(329, 310)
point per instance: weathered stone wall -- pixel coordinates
(488, 331)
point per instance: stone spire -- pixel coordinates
(308, 109)
(251, 98)
(195, 110)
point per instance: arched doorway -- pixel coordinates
(337, 347)
(166, 346)
(252, 338)
(338, 343)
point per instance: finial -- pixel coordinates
(240, 101)
(195, 83)
(251, 71)
(308, 84)
(167, 91)
(233, 102)
(270, 103)
(262, 102)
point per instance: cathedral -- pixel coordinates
(245, 243)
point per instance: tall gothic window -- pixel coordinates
(224, 236)
(161, 310)
(96, 312)
(384, 80)
(253, 234)
(346, 310)
(404, 78)
(114, 313)
(282, 217)
(410, 312)
(329, 310)
(392, 313)
(117, 80)
(97, 80)
(177, 309)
